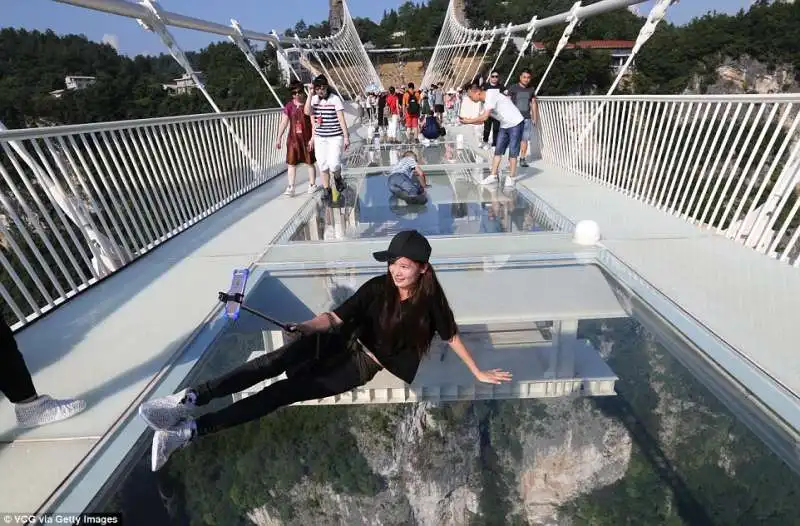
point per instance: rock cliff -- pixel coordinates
(747, 75)
(434, 461)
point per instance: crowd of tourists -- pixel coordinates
(317, 134)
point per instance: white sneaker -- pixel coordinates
(289, 191)
(46, 410)
(489, 179)
(510, 182)
(169, 411)
(312, 188)
(167, 441)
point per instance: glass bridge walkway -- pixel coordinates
(707, 314)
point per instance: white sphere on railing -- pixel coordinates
(587, 232)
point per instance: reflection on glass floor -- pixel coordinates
(456, 205)
(366, 156)
(665, 450)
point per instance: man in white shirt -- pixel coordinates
(330, 136)
(512, 124)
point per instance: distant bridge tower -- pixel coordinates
(460, 10)
(336, 15)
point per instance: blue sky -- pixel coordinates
(130, 39)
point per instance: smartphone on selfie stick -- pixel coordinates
(234, 301)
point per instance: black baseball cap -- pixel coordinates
(406, 244)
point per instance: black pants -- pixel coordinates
(491, 125)
(15, 379)
(381, 118)
(317, 366)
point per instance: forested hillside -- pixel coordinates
(669, 62)
(34, 63)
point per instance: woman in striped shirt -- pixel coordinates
(330, 136)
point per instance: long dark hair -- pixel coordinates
(410, 328)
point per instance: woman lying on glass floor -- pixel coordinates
(388, 323)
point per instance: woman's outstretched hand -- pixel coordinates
(495, 376)
(295, 330)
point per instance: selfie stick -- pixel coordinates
(234, 300)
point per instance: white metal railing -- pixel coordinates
(79, 202)
(726, 163)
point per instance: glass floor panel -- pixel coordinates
(663, 451)
(457, 205)
(366, 157)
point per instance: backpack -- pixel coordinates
(426, 107)
(413, 105)
(430, 130)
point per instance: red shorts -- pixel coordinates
(412, 121)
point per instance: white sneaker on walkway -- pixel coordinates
(510, 182)
(169, 411)
(168, 441)
(47, 410)
(289, 191)
(312, 188)
(489, 179)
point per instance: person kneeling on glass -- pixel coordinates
(407, 181)
(388, 323)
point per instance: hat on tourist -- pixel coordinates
(406, 244)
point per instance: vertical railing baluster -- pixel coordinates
(645, 143)
(43, 213)
(106, 174)
(116, 191)
(725, 150)
(170, 182)
(10, 210)
(120, 180)
(688, 175)
(705, 177)
(105, 196)
(739, 180)
(167, 216)
(768, 176)
(732, 233)
(153, 219)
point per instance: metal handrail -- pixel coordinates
(66, 129)
(727, 163)
(746, 97)
(83, 201)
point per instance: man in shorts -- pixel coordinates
(411, 108)
(500, 107)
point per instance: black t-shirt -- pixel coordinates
(361, 316)
(522, 98)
